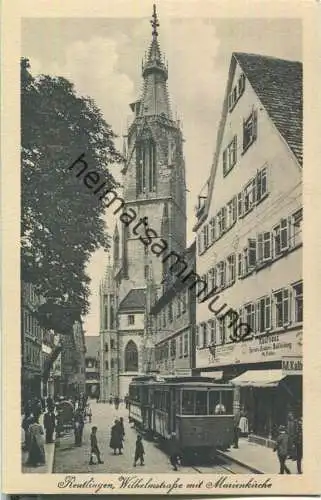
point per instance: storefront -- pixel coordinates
(267, 375)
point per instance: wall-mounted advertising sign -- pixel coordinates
(292, 365)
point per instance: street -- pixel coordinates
(71, 459)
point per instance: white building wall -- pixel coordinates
(283, 199)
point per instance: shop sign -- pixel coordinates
(292, 365)
(272, 347)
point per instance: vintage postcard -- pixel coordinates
(155, 337)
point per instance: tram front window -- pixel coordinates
(188, 403)
(227, 401)
(201, 403)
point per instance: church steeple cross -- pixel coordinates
(154, 22)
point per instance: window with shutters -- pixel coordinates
(231, 269)
(261, 184)
(211, 279)
(249, 130)
(212, 331)
(281, 308)
(231, 212)
(222, 330)
(250, 256)
(267, 246)
(249, 312)
(298, 302)
(221, 268)
(281, 237)
(230, 156)
(205, 237)
(296, 223)
(173, 348)
(212, 232)
(249, 196)
(263, 314)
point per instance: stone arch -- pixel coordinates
(131, 357)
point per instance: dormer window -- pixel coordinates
(236, 92)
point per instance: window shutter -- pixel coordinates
(240, 204)
(251, 252)
(284, 234)
(234, 209)
(258, 315)
(259, 252)
(225, 168)
(254, 124)
(267, 244)
(240, 265)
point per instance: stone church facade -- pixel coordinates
(155, 196)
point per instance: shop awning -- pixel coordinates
(213, 375)
(259, 378)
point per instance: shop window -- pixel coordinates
(298, 302)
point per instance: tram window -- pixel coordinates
(201, 403)
(188, 403)
(227, 400)
(214, 401)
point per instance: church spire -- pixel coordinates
(155, 73)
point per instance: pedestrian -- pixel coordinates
(111, 400)
(291, 434)
(94, 449)
(49, 424)
(126, 401)
(236, 428)
(97, 399)
(78, 427)
(281, 447)
(36, 446)
(173, 451)
(116, 401)
(27, 420)
(116, 442)
(139, 451)
(89, 413)
(220, 409)
(298, 446)
(122, 427)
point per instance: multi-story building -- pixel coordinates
(174, 320)
(153, 215)
(249, 234)
(73, 361)
(92, 366)
(31, 344)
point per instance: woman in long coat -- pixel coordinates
(36, 445)
(116, 439)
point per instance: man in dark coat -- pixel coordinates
(49, 423)
(94, 448)
(116, 401)
(237, 418)
(173, 450)
(116, 439)
(298, 445)
(282, 446)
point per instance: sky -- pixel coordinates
(102, 57)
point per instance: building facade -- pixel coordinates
(31, 344)
(174, 320)
(152, 224)
(92, 366)
(249, 243)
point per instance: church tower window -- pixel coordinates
(146, 166)
(131, 357)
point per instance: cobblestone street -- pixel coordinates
(69, 458)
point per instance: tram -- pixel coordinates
(198, 410)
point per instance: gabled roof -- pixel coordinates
(135, 300)
(278, 84)
(92, 343)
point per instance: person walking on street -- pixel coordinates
(94, 448)
(173, 451)
(116, 402)
(37, 454)
(116, 438)
(237, 430)
(291, 435)
(139, 451)
(298, 446)
(281, 447)
(79, 427)
(49, 423)
(126, 401)
(121, 424)
(27, 420)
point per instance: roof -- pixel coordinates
(135, 300)
(278, 84)
(92, 346)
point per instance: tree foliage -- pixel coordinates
(61, 219)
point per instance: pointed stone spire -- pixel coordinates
(108, 280)
(155, 99)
